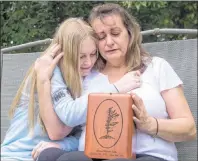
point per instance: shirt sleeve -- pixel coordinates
(72, 112)
(168, 78)
(69, 143)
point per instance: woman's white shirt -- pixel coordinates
(158, 76)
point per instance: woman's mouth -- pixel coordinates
(111, 51)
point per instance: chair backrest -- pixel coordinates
(181, 54)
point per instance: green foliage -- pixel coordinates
(164, 14)
(28, 21)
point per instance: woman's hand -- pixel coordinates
(45, 65)
(41, 146)
(143, 121)
(128, 82)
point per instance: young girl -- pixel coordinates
(75, 39)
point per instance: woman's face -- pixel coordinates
(113, 37)
(88, 56)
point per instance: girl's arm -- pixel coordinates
(56, 129)
(44, 67)
(58, 110)
(54, 98)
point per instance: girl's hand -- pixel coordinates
(41, 146)
(45, 65)
(128, 82)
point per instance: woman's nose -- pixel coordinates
(109, 40)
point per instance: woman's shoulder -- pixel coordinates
(158, 60)
(157, 64)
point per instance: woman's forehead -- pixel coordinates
(108, 21)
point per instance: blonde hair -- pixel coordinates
(136, 57)
(69, 35)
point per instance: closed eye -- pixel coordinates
(115, 34)
(94, 54)
(82, 57)
(101, 37)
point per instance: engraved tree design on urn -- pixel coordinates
(111, 122)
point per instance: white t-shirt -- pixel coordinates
(158, 76)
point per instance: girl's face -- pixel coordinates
(88, 56)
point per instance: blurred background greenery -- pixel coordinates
(27, 21)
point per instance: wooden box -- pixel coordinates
(110, 126)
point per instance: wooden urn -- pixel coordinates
(110, 127)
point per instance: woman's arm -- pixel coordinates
(181, 125)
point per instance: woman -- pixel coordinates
(162, 114)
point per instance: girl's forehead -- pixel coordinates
(88, 45)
